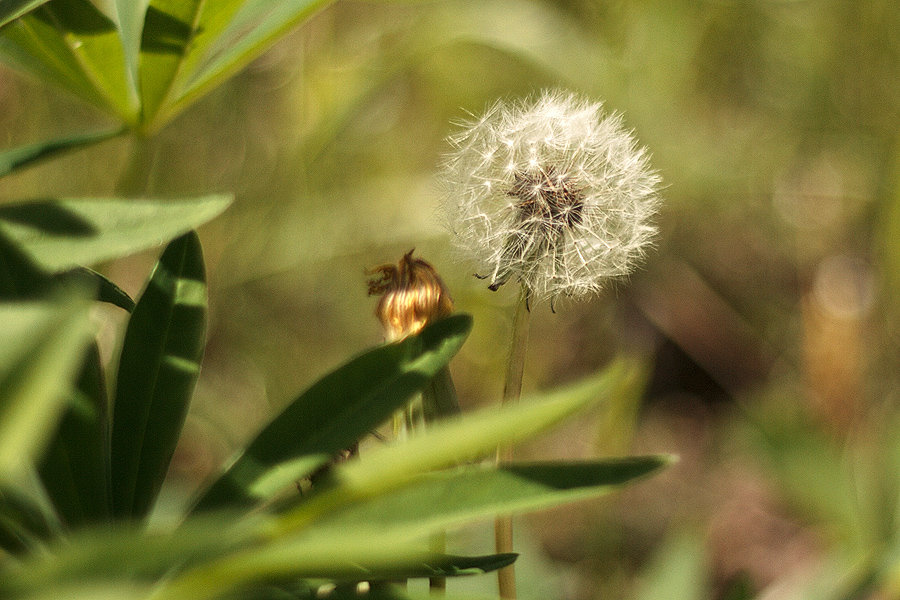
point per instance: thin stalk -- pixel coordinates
(136, 176)
(512, 391)
(439, 401)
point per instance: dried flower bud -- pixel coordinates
(412, 295)
(552, 192)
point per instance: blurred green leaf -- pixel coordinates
(21, 279)
(107, 291)
(61, 234)
(350, 558)
(158, 368)
(131, 14)
(448, 443)
(17, 158)
(13, 9)
(110, 555)
(336, 411)
(450, 498)
(677, 571)
(176, 37)
(72, 44)
(22, 522)
(43, 345)
(254, 29)
(75, 468)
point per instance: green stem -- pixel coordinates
(512, 391)
(135, 178)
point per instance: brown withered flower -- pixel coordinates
(412, 295)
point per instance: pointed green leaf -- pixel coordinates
(450, 442)
(20, 278)
(118, 554)
(59, 235)
(75, 467)
(158, 368)
(72, 44)
(42, 348)
(13, 9)
(107, 291)
(254, 29)
(16, 158)
(131, 14)
(177, 35)
(351, 558)
(23, 523)
(336, 411)
(450, 498)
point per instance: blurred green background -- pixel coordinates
(768, 315)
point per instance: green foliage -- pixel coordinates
(148, 60)
(101, 443)
(158, 368)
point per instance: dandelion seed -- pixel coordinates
(551, 192)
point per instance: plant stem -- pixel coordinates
(512, 391)
(135, 178)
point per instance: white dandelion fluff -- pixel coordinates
(552, 192)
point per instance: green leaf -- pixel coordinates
(75, 468)
(448, 443)
(23, 525)
(41, 351)
(436, 501)
(20, 278)
(16, 158)
(335, 412)
(131, 14)
(350, 559)
(74, 45)
(59, 235)
(177, 35)
(254, 29)
(107, 291)
(158, 368)
(117, 554)
(13, 9)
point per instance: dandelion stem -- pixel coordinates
(512, 391)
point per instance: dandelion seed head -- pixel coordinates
(551, 191)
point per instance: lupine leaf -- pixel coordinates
(59, 235)
(74, 45)
(22, 522)
(41, 352)
(13, 9)
(448, 443)
(253, 30)
(75, 468)
(158, 368)
(17, 158)
(176, 36)
(335, 412)
(450, 498)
